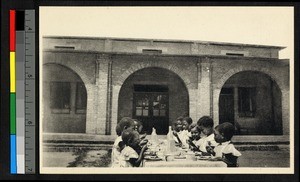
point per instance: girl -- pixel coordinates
(225, 150)
(194, 141)
(177, 131)
(124, 123)
(129, 155)
(206, 124)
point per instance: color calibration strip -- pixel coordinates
(12, 49)
(22, 91)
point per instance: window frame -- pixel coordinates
(251, 112)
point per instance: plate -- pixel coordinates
(203, 157)
(152, 158)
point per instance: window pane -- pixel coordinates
(247, 104)
(138, 111)
(145, 112)
(162, 112)
(81, 96)
(60, 95)
(155, 112)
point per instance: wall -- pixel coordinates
(61, 122)
(178, 94)
(264, 121)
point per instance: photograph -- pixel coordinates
(166, 89)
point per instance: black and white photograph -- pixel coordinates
(160, 89)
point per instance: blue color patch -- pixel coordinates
(13, 155)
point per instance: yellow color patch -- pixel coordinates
(12, 72)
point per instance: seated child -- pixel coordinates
(206, 124)
(177, 131)
(138, 126)
(194, 141)
(129, 155)
(186, 122)
(225, 150)
(118, 145)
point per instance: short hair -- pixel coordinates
(226, 130)
(194, 125)
(125, 122)
(205, 121)
(188, 120)
(180, 118)
(128, 135)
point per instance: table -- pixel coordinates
(184, 163)
(180, 162)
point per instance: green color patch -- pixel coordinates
(12, 113)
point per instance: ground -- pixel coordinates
(101, 158)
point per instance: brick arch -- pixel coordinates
(75, 69)
(174, 69)
(233, 71)
(218, 86)
(163, 65)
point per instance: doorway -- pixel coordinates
(151, 107)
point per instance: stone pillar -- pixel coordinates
(102, 87)
(236, 103)
(91, 109)
(204, 89)
(286, 112)
(109, 98)
(114, 109)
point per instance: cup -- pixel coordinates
(191, 157)
(170, 158)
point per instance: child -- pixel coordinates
(129, 155)
(187, 121)
(194, 141)
(186, 134)
(225, 150)
(138, 126)
(206, 124)
(177, 129)
(124, 123)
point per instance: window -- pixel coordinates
(81, 98)
(60, 97)
(247, 104)
(152, 51)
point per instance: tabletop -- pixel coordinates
(180, 162)
(184, 163)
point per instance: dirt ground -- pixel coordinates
(101, 158)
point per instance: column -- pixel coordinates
(102, 86)
(204, 88)
(286, 112)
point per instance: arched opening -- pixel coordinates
(64, 100)
(155, 96)
(251, 100)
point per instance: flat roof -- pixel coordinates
(168, 41)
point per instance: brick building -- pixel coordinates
(89, 84)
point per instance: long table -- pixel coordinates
(181, 162)
(184, 163)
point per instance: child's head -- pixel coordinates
(206, 124)
(195, 131)
(131, 138)
(137, 125)
(224, 132)
(124, 123)
(177, 125)
(186, 122)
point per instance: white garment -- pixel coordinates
(116, 152)
(127, 154)
(184, 136)
(197, 143)
(205, 140)
(226, 148)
